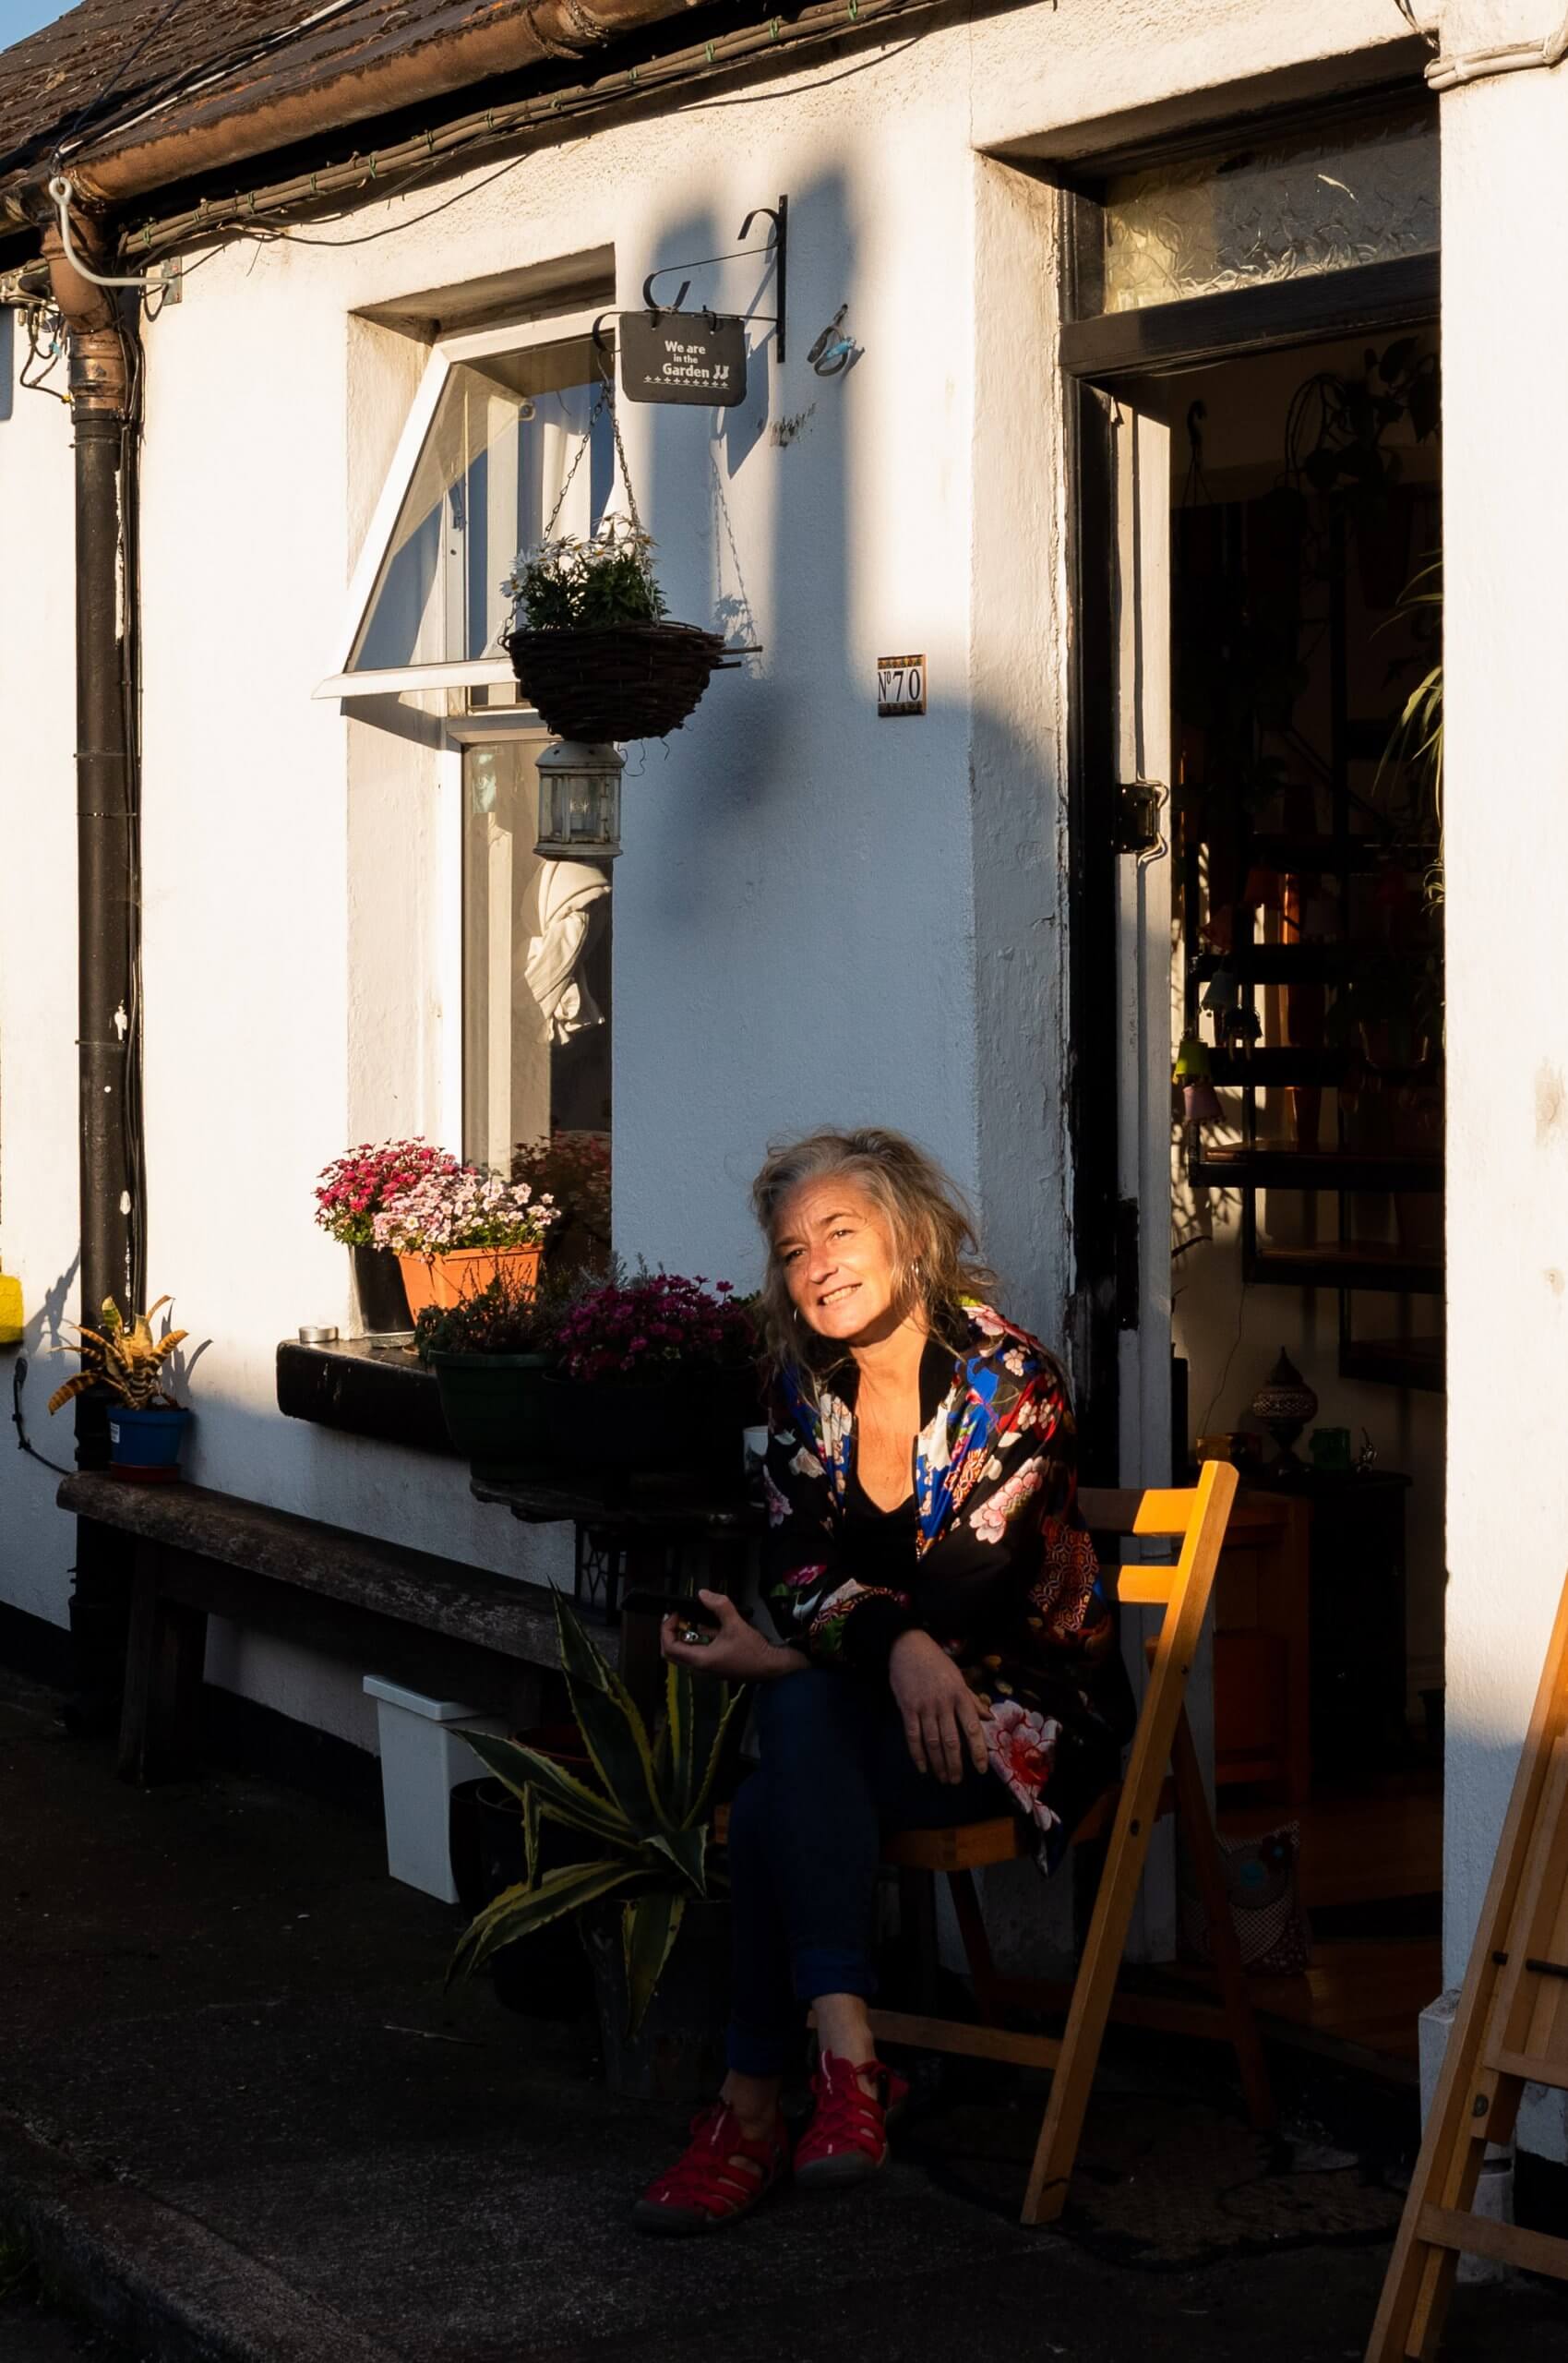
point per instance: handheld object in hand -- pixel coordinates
(698, 1622)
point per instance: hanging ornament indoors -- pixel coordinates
(1222, 992)
(1200, 1101)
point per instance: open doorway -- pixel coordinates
(1307, 997)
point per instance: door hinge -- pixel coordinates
(1128, 1289)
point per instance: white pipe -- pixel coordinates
(1513, 57)
(61, 192)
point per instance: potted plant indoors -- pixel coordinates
(490, 1352)
(655, 1374)
(146, 1426)
(643, 1891)
(350, 1193)
(590, 643)
(459, 1225)
(572, 1169)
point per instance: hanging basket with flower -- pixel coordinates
(459, 1228)
(590, 641)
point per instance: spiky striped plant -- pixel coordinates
(127, 1360)
(645, 1816)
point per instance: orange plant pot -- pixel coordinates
(446, 1280)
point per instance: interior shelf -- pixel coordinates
(1395, 1362)
(1349, 1263)
(1313, 1169)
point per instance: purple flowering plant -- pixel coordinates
(357, 1186)
(638, 1328)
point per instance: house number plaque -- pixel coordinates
(682, 358)
(901, 686)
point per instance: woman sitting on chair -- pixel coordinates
(946, 1651)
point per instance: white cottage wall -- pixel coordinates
(1505, 187)
(38, 968)
(813, 907)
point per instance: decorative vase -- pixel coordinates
(144, 1446)
(605, 682)
(677, 2054)
(379, 1292)
(494, 1407)
(1285, 1403)
(684, 1423)
(462, 1272)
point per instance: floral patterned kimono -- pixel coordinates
(999, 1569)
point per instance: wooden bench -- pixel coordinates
(380, 1607)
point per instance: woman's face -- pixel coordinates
(837, 1260)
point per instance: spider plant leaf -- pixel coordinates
(686, 1851)
(525, 1772)
(650, 1924)
(518, 1911)
(727, 1728)
(612, 1725)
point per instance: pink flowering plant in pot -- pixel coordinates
(350, 1193)
(458, 1228)
(656, 1374)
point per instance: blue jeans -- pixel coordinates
(836, 1772)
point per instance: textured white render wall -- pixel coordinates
(809, 902)
(38, 968)
(1505, 345)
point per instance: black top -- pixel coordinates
(879, 1545)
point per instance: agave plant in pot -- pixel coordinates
(657, 1375)
(590, 643)
(125, 1361)
(645, 1891)
(490, 1352)
(460, 1226)
(350, 1193)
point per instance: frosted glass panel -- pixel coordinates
(1290, 209)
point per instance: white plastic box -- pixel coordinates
(422, 1761)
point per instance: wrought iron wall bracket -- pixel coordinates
(777, 245)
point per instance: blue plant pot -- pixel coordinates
(144, 1447)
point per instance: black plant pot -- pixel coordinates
(379, 1292)
(540, 1977)
(494, 1407)
(686, 1423)
(679, 2052)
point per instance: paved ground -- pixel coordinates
(242, 2123)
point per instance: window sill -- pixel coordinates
(364, 1389)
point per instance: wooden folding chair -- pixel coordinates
(1510, 2030)
(1163, 1739)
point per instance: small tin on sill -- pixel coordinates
(317, 1335)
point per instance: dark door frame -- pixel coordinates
(1096, 356)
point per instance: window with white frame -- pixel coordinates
(507, 430)
(510, 436)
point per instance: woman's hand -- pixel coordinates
(737, 1652)
(942, 1720)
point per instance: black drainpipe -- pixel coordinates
(104, 374)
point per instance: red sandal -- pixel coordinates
(847, 2138)
(720, 2176)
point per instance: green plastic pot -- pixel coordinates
(494, 1407)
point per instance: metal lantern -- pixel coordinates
(580, 801)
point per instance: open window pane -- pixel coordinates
(536, 970)
(510, 432)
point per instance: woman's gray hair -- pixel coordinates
(930, 1229)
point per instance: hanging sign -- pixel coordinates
(682, 358)
(901, 687)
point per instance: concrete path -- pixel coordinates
(241, 2123)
